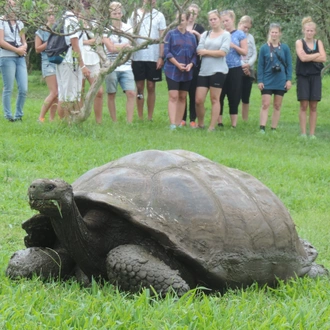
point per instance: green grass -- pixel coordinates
(296, 170)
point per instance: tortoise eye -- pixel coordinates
(50, 187)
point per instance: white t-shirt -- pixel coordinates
(148, 29)
(71, 24)
(89, 55)
(11, 33)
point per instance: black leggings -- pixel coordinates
(233, 89)
(192, 96)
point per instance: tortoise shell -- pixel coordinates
(221, 222)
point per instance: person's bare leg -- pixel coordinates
(312, 116)
(140, 102)
(180, 106)
(98, 106)
(173, 96)
(131, 95)
(215, 110)
(50, 99)
(112, 106)
(265, 103)
(245, 111)
(151, 99)
(303, 116)
(201, 93)
(277, 110)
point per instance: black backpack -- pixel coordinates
(56, 45)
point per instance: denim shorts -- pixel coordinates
(124, 78)
(48, 69)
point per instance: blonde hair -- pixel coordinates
(307, 21)
(194, 5)
(230, 13)
(245, 19)
(114, 5)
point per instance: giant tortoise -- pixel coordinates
(162, 219)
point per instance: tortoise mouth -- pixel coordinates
(43, 204)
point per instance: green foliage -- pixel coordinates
(297, 170)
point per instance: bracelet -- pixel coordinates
(84, 66)
(161, 57)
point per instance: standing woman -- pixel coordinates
(180, 54)
(48, 71)
(113, 44)
(213, 47)
(245, 24)
(13, 64)
(274, 75)
(310, 56)
(233, 83)
(196, 29)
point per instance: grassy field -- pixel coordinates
(296, 169)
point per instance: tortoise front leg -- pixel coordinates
(132, 268)
(43, 262)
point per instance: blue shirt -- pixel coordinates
(233, 58)
(43, 35)
(267, 60)
(181, 46)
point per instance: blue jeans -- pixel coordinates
(14, 68)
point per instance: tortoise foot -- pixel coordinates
(132, 268)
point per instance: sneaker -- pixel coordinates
(172, 126)
(200, 126)
(11, 120)
(220, 124)
(262, 131)
(18, 119)
(303, 136)
(183, 123)
(193, 124)
(233, 127)
(312, 137)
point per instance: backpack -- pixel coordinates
(56, 45)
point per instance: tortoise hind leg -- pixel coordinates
(132, 268)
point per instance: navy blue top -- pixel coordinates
(267, 60)
(181, 46)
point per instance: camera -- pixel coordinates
(276, 68)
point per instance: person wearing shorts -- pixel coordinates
(148, 62)
(48, 71)
(213, 47)
(180, 54)
(274, 75)
(70, 72)
(122, 75)
(310, 58)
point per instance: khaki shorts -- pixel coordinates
(69, 80)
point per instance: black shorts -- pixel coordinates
(273, 91)
(309, 88)
(178, 85)
(146, 71)
(217, 80)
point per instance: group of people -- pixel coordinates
(226, 68)
(81, 62)
(195, 61)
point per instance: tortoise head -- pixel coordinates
(49, 196)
